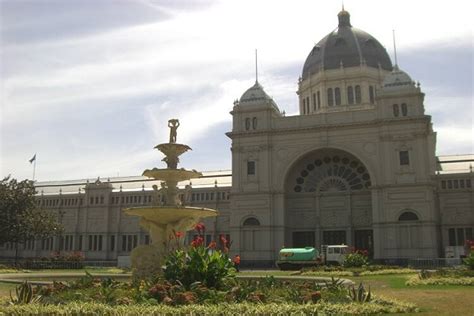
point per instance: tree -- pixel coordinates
(21, 219)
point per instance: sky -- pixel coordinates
(88, 86)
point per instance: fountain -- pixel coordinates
(167, 214)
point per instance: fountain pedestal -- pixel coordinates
(168, 214)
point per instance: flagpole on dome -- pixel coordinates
(33, 161)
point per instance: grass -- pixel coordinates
(431, 299)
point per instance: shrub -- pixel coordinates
(24, 295)
(360, 295)
(469, 261)
(207, 265)
(376, 307)
(355, 259)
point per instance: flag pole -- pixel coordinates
(34, 170)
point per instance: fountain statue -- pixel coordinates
(167, 214)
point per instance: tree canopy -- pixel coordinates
(20, 217)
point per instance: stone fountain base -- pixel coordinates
(162, 222)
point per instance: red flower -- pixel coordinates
(200, 228)
(178, 234)
(223, 240)
(212, 245)
(197, 241)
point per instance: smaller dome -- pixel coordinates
(397, 79)
(255, 93)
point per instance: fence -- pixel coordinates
(420, 263)
(44, 264)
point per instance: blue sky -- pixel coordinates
(89, 85)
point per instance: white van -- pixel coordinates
(334, 254)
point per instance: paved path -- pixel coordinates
(35, 278)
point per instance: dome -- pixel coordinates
(396, 80)
(346, 46)
(255, 93)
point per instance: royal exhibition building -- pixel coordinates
(357, 165)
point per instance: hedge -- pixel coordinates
(76, 308)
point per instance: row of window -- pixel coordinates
(458, 236)
(210, 196)
(250, 123)
(59, 202)
(353, 93)
(94, 243)
(131, 199)
(396, 110)
(456, 184)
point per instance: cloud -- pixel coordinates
(90, 85)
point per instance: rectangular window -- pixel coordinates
(404, 158)
(303, 239)
(461, 183)
(79, 243)
(319, 100)
(90, 242)
(443, 184)
(112, 242)
(147, 239)
(334, 237)
(456, 184)
(314, 101)
(468, 183)
(452, 237)
(250, 167)
(330, 97)
(124, 243)
(460, 237)
(469, 233)
(450, 184)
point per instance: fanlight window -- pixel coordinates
(336, 173)
(251, 221)
(408, 216)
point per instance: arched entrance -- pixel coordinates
(328, 201)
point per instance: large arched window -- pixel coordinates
(251, 221)
(408, 216)
(329, 173)
(358, 95)
(337, 96)
(247, 123)
(350, 95)
(330, 97)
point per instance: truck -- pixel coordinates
(297, 258)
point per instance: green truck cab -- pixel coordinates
(296, 258)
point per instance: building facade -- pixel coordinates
(357, 166)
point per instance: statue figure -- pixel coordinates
(173, 124)
(155, 198)
(171, 162)
(164, 193)
(187, 194)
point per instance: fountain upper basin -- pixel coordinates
(171, 174)
(169, 214)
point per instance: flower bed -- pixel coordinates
(468, 281)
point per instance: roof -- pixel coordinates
(254, 93)
(455, 164)
(397, 80)
(348, 47)
(221, 178)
